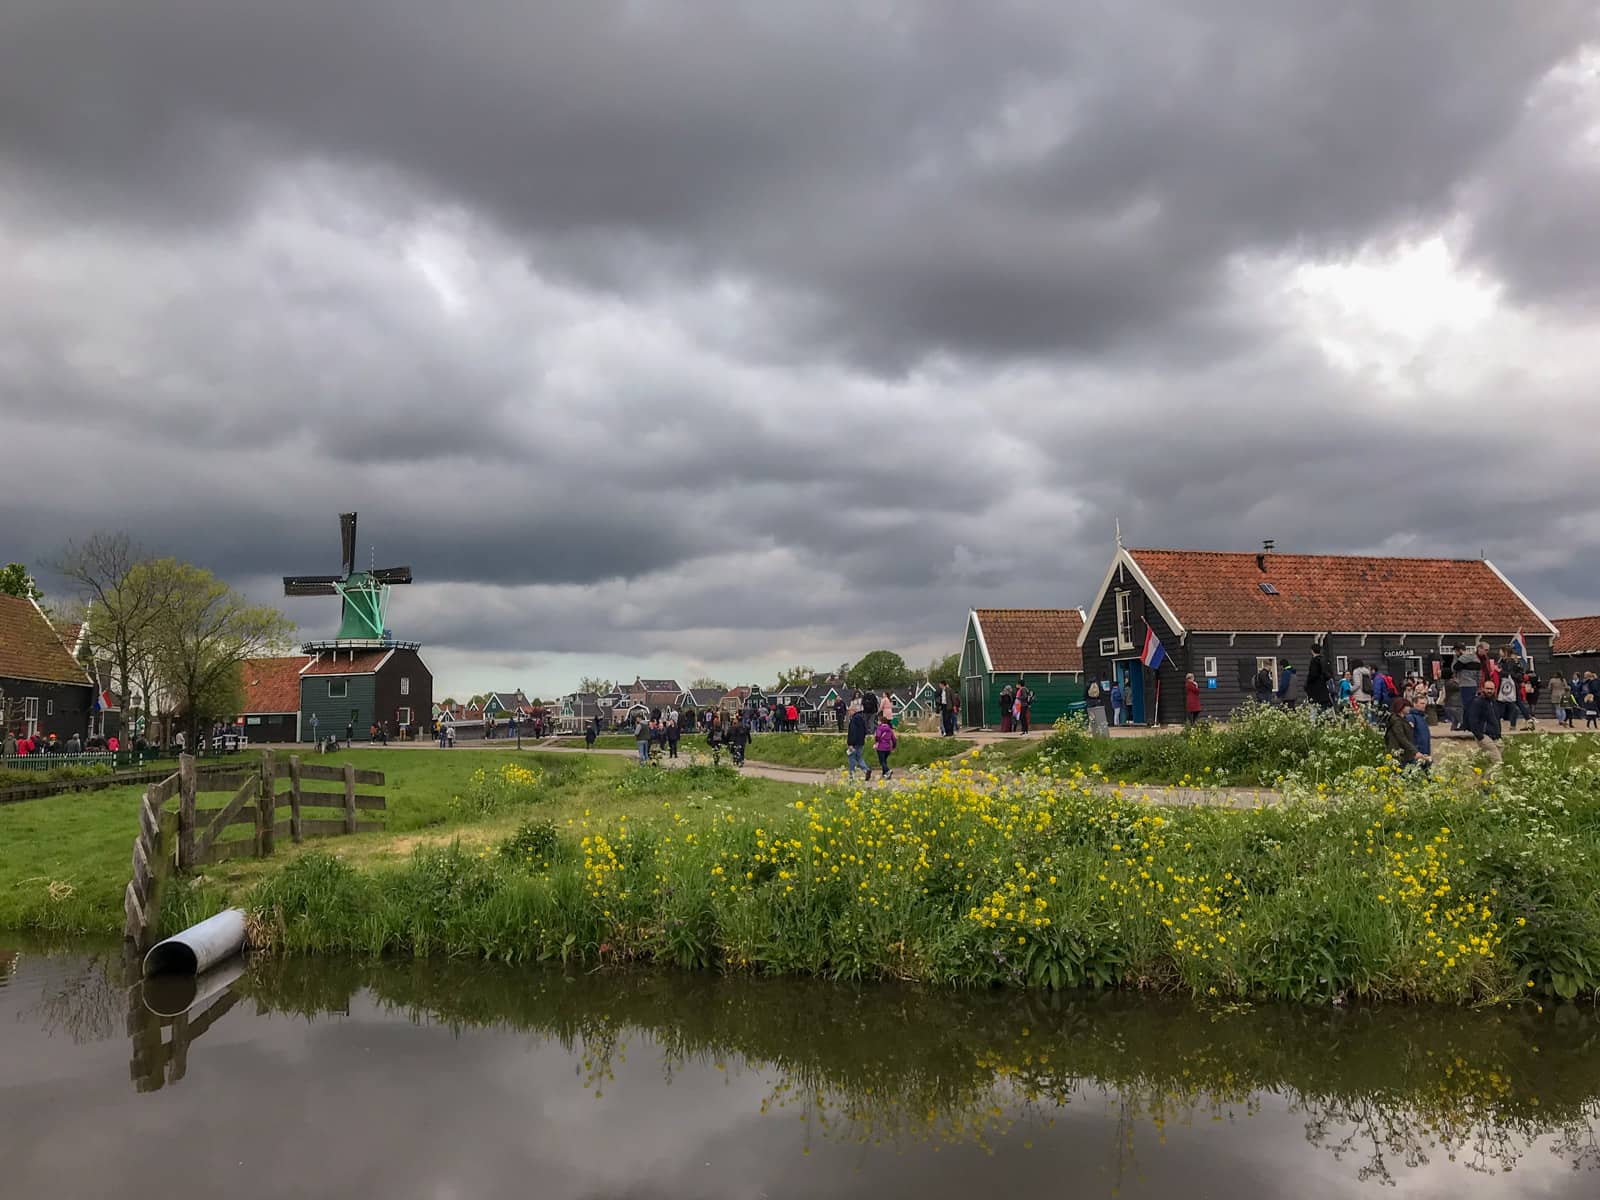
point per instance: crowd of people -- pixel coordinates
(23, 743)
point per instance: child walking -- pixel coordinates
(1591, 708)
(884, 743)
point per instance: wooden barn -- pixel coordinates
(43, 689)
(356, 687)
(1577, 647)
(1226, 616)
(1038, 646)
(271, 711)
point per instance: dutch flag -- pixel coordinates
(1519, 646)
(1154, 652)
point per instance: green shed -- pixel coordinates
(1036, 645)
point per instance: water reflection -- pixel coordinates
(1377, 1094)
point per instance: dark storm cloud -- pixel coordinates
(721, 330)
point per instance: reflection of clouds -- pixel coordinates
(386, 1102)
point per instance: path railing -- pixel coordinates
(191, 836)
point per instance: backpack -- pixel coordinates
(1094, 691)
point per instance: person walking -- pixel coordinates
(1024, 704)
(674, 732)
(1116, 702)
(1285, 680)
(1263, 686)
(1191, 698)
(1560, 690)
(1485, 716)
(641, 737)
(1347, 690)
(1317, 682)
(715, 738)
(947, 702)
(1591, 700)
(590, 732)
(886, 707)
(839, 707)
(1008, 695)
(738, 739)
(855, 741)
(884, 743)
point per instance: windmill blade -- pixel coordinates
(311, 585)
(347, 535)
(392, 574)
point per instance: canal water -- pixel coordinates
(439, 1079)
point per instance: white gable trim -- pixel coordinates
(983, 646)
(1554, 632)
(1125, 559)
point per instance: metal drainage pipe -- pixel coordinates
(173, 995)
(199, 947)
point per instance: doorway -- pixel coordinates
(1130, 677)
(972, 701)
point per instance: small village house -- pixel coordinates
(1577, 646)
(43, 689)
(356, 687)
(1227, 616)
(271, 688)
(1038, 646)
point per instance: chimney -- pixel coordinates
(1267, 545)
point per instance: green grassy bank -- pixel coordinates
(816, 751)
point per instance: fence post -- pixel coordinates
(294, 797)
(267, 806)
(186, 792)
(349, 797)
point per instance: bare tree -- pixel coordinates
(122, 602)
(202, 633)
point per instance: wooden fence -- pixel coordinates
(191, 836)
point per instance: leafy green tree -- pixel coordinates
(705, 681)
(201, 635)
(948, 667)
(880, 669)
(15, 581)
(795, 675)
(123, 599)
(592, 683)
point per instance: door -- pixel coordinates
(1130, 676)
(30, 715)
(972, 701)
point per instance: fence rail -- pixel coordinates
(191, 836)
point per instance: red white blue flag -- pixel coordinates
(1154, 652)
(1519, 646)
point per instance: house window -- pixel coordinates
(1270, 665)
(1341, 664)
(405, 685)
(49, 708)
(30, 714)
(338, 689)
(1211, 668)
(402, 716)
(1108, 647)
(1124, 620)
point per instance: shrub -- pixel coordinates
(487, 794)
(534, 843)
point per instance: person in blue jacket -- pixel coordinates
(1421, 735)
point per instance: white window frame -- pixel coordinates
(49, 706)
(1125, 620)
(402, 716)
(1269, 661)
(30, 714)
(1108, 647)
(1211, 667)
(405, 685)
(344, 689)
(1341, 664)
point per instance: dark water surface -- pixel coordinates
(451, 1080)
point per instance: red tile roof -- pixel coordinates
(1032, 639)
(31, 649)
(69, 634)
(271, 685)
(1579, 635)
(364, 663)
(1331, 593)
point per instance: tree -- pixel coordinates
(202, 633)
(598, 686)
(123, 598)
(15, 581)
(705, 681)
(880, 669)
(478, 700)
(448, 702)
(795, 675)
(947, 668)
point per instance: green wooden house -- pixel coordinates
(1036, 645)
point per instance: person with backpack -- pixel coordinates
(855, 741)
(738, 739)
(1383, 690)
(884, 743)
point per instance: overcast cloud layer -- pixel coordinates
(723, 336)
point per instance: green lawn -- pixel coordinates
(67, 858)
(817, 751)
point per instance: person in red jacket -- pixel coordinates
(1191, 699)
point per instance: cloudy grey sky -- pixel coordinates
(723, 336)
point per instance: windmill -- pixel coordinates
(365, 593)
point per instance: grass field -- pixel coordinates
(816, 751)
(66, 858)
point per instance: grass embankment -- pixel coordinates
(64, 860)
(815, 751)
(1369, 882)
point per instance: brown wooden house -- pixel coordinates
(43, 689)
(1577, 647)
